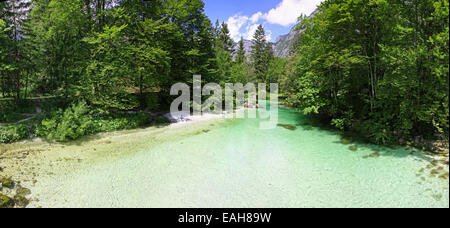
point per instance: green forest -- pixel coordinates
(69, 68)
(377, 67)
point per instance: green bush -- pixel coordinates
(71, 124)
(77, 121)
(378, 133)
(13, 133)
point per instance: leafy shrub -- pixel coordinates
(341, 123)
(378, 133)
(13, 133)
(71, 124)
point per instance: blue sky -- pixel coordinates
(243, 16)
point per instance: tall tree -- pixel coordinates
(191, 49)
(129, 55)
(224, 52)
(262, 53)
(60, 51)
(240, 55)
(224, 39)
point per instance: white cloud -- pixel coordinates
(288, 11)
(235, 24)
(268, 35)
(255, 17)
(251, 29)
(243, 26)
(285, 14)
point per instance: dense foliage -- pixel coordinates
(378, 67)
(13, 133)
(74, 122)
(79, 120)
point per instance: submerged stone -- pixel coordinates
(374, 155)
(444, 161)
(6, 202)
(21, 201)
(435, 162)
(434, 172)
(437, 197)
(346, 141)
(353, 148)
(421, 170)
(7, 182)
(201, 132)
(21, 191)
(291, 127)
(444, 176)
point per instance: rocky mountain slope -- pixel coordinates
(247, 47)
(281, 46)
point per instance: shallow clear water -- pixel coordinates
(235, 164)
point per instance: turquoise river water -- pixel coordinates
(232, 163)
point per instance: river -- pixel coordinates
(231, 163)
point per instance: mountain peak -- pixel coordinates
(281, 47)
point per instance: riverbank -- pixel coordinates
(25, 162)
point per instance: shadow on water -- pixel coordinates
(353, 140)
